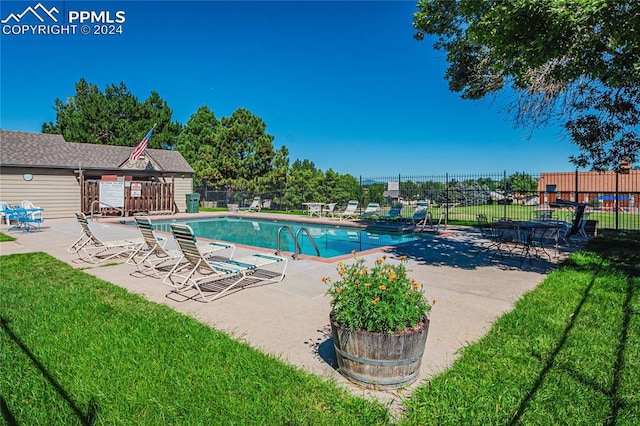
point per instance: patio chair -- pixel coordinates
(92, 249)
(253, 207)
(497, 237)
(394, 213)
(328, 209)
(33, 211)
(372, 210)
(421, 212)
(350, 212)
(218, 277)
(152, 257)
(5, 213)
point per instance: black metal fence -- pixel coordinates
(613, 199)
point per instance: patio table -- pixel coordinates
(314, 208)
(530, 234)
(25, 218)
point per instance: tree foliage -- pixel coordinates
(197, 144)
(113, 117)
(573, 61)
(306, 183)
(243, 156)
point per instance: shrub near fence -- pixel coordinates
(613, 199)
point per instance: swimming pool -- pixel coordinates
(332, 240)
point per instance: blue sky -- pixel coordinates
(342, 84)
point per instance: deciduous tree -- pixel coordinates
(573, 61)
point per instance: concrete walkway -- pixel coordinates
(290, 319)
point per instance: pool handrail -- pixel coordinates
(313, 243)
(296, 249)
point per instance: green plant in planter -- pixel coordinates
(377, 299)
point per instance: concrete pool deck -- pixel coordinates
(290, 319)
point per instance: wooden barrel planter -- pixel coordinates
(380, 360)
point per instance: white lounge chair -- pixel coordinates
(421, 212)
(253, 207)
(328, 209)
(202, 274)
(152, 257)
(372, 210)
(92, 249)
(350, 212)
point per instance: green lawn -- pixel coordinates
(78, 350)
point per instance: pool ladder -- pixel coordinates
(297, 250)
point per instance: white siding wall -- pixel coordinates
(57, 191)
(182, 187)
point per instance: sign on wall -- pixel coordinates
(112, 193)
(136, 189)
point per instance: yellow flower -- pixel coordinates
(376, 300)
(383, 287)
(340, 264)
(341, 272)
(339, 290)
(367, 285)
(325, 279)
(379, 261)
(392, 276)
(416, 286)
(402, 257)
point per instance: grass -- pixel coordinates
(5, 237)
(569, 353)
(77, 350)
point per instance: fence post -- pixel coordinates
(576, 192)
(446, 198)
(506, 194)
(617, 203)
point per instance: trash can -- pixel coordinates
(193, 203)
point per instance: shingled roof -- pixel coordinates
(23, 149)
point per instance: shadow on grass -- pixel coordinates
(87, 418)
(612, 252)
(6, 413)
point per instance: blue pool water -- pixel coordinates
(332, 240)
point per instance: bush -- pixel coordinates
(380, 299)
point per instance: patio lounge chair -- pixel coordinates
(152, 257)
(215, 276)
(92, 249)
(328, 209)
(350, 212)
(421, 212)
(372, 210)
(253, 207)
(394, 213)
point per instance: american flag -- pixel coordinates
(137, 153)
